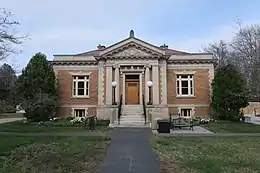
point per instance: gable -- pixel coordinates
(132, 46)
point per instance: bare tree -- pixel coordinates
(246, 45)
(220, 52)
(9, 37)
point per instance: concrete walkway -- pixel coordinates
(130, 151)
(7, 120)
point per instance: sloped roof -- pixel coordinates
(167, 51)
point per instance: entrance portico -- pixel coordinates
(132, 79)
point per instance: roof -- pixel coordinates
(167, 51)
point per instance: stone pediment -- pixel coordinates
(132, 50)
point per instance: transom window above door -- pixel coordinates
(80, 86)
(185, 85)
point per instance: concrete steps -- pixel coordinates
(132, 116)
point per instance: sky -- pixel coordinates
(75, 26)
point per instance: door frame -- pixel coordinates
(138, 89)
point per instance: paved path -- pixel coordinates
(7, 120)
(130, 151)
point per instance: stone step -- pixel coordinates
(129, 125)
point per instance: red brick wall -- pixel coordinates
(201, 85)
(65, 88)
(202, 111)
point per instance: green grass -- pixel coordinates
(51, 154)
(208, 154)
(60, 126)
(232, 127)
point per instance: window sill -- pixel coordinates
(185, 97)
(80, 97)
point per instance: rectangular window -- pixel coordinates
(79, 113)
(185, 85)
(80, 86)
(185, 112)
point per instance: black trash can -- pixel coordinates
(163, 126)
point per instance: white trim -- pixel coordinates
(184, 72)
(86, 81)
(80, 73)
(192, 113)
(79, 108)
(179, 87)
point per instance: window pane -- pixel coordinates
(74, 88)
(184, 84)
(184, 76)
(184, 91)
(87, 77)
(81, 91)
(74, 77)
(186, 112)
(81, 85)
(79, 112)
(81, 77)
(191, 88)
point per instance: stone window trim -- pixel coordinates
(80, 77)
(190, 113)
(188, 90)
(79, 112)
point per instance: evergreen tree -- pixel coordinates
(7, 80)
(229, 93)
(37, 88)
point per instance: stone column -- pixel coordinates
(109, 85)
(140, 90)
(117, 77)
(101, 83)
(123, 89)
(155, 84)
(147, 78)
(163, 78)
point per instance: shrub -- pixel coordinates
(41, 108)
(229, 93)
(6, 107)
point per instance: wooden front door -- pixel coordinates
(132, 92)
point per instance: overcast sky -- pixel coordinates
(74, 26)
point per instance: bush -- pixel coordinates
(41, 108)
(6, 107)
(229, 93)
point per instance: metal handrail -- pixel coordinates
(120, 109)
(144, 109)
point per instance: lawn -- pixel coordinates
(57, 126)
(232, 127)
(208, 154)
(51, 154)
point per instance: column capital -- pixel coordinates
(147, 66)
(116, 66)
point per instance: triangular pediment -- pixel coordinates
(132, 47)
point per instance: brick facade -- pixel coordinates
(201, 91)
(67, 102)
(134, 56)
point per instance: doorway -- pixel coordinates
(132, 89)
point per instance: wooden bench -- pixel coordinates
(180, 123)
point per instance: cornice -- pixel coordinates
(73, 62)
(192, 61)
